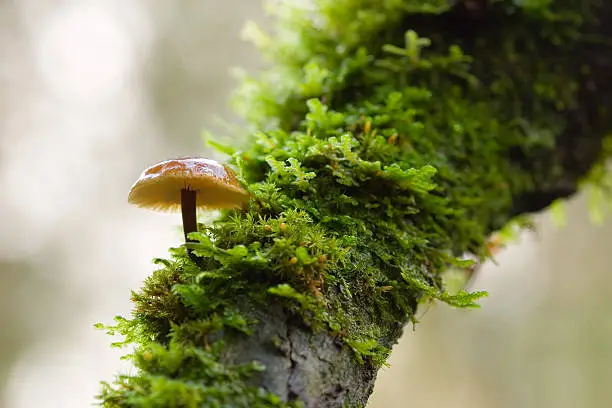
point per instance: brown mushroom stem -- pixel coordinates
(188, 210)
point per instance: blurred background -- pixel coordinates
(93, 91)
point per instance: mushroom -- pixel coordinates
(188, 183)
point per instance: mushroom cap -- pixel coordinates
(159, 186)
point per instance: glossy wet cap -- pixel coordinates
(159, 187)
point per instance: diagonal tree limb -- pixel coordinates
(513, 122)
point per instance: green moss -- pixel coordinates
(183, 374)
(381, 156)
(598, 185)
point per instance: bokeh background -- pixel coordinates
(92, 91)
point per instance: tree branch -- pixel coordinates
(423, 145)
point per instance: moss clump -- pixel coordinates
(386, 149)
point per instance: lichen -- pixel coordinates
(382, 154)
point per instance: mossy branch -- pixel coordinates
(394, 136)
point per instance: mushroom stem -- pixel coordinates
(188, 210)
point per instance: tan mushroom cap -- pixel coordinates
(159, 187)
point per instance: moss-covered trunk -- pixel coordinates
(393, 136)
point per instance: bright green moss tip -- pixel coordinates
(381, 156)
